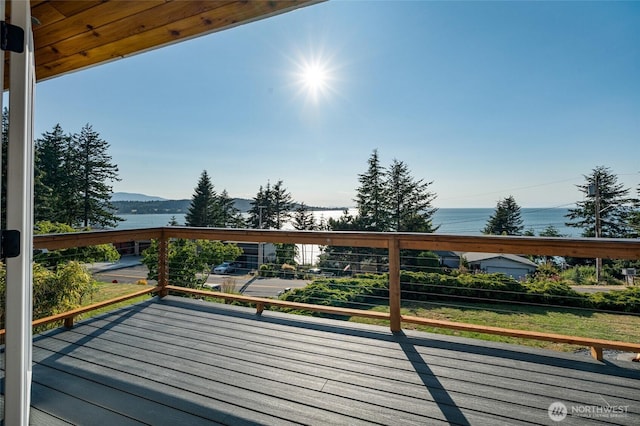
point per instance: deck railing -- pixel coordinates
(392, 243)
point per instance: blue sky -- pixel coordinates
(485, 99)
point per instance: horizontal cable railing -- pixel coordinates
(382, 276)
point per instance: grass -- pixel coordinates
(106, 291)
(583, 323)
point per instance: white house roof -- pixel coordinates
(478, 257)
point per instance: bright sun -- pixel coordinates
(314, 77)
(314, 80)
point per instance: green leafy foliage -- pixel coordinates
(54, 291)
(365, 290)
(90, 254)
(189, 261)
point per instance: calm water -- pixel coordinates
(451, 221)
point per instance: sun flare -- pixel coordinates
(314, 77)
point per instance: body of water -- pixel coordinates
(451, 221)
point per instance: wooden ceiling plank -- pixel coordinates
(129, 26)
(71, 7)
(46, 15)
(88, 20)
(238, 12)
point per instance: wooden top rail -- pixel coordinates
(607, 248)
(65, 316)
(534, 335)
(525, 334)
(92, 238)
(283, 303)
(88, 308)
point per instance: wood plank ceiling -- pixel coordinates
(73, 34)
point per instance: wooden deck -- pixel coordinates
(178, 361)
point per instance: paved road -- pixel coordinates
(131, 271)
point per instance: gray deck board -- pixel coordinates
(182, 361)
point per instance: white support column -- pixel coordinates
(20, 217)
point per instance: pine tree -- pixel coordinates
(49, 176)
(614, 204)
(282, 203)
(408, 200)
(371, 197)
(506, 219)
(230, 215)
(260, 206)
(95, 172)
(303, 219)
(634, 218)
(204, 209)
(271, 207)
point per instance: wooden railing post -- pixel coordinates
(163, 264)
(394, 285)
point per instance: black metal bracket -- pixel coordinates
(11, 37)
(9, 243)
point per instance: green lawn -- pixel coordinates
(106, 291)
(582, 323)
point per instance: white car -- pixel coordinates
(225, 268)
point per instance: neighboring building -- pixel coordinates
(450, 259)
(249, 256)
(515, 266)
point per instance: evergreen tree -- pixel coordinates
(230, 215)
(204, 209)
(260, 208)
(370, 198)
(69, 189)
(94, 171)
(271, 206)
(634, 218)
(506, 219)
(601, 188)
(303, 219)
(408, 200)
(282, 203)
(50, 156)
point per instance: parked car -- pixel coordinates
(226, 268)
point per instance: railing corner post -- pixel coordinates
(395, 317)
(68, 322)
(163, 264)
(596, 353)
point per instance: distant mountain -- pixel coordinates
(165, 206)
(132, 203)
(131, 196)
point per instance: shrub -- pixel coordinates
(287, 271)
(228, 285)
(267, 270)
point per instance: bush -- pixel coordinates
(267, 270)
(287, 271)
(54, 291)
(627, 300)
